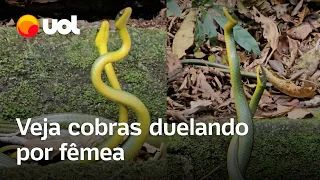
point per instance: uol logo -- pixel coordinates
(28, 26)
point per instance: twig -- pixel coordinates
(222, 68)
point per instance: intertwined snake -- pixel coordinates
(240, 147)
(132, 144)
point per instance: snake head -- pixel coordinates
(123, 17)
(102, 37)
(261, 76)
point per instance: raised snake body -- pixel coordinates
(240, 147)
(131, 145)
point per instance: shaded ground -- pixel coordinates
(51, 74)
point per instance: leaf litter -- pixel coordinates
(285, 32)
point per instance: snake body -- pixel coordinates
(240, 147)
(131, 145)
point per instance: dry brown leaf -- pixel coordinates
(176, 116)
(302, 14)
(277, 66)
(307, 59)
(195, 106)
(299, 114)
(281, 9)
(315, 101)
(288, 87)
(200, 102)
(173, 62)
(300, 32)
(184, 84)
(283, 46)
(243, 57)
(315, 23)
(226, 103)
(265, 99)
(218, 82)
(172, 103)
(184, 38)
(193, 73)
(287, 18)
(281, 110)
(293, 47)
(270, 30)
(207, 89)
(264, 55)
(297, 8)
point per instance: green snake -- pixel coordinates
(132, 144)
(240, 147)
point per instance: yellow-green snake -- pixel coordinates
(131, 145)
(240, 147)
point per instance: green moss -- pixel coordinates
(283, 149)
(51, 74)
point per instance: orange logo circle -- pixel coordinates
(28, 26)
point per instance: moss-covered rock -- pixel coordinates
(51, 74)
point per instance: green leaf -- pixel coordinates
(199, 33)
(174, 7)
(169, 13)
(241, 36)
(211, 30)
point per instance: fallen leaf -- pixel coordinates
(300, 32)
(287, 18)
(293, 47)
(270, 30)
(315, 101)
(307, 59)
(226, 103)
(264, 55)
(297, 8)
(288, 87)
(184, 84)
(173, 62)
(172, 103)
(184, 38)
(277, 66)
(195, 106)
(302, 14)
(243, 57)
(199, 54)
(204, 103)
(281, 9)
(193, 73)
(315, 23)
(207, 89)
(281, 110)
(176, 116)
(283, 45)
(299, 114)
